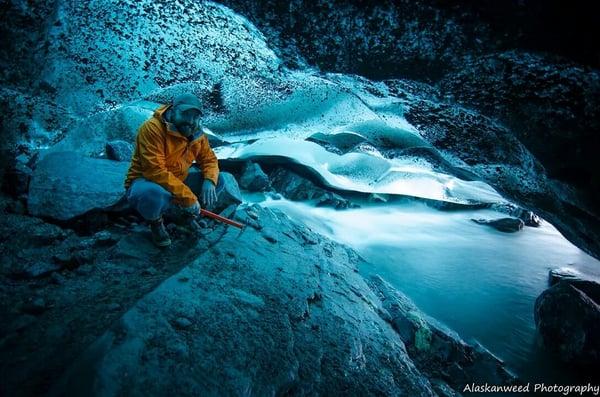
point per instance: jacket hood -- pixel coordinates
(159, 115)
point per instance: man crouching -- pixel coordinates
(166, 145)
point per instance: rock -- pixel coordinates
(252, 214)
(149, 271)
(104, 238)
(528, 217)
(37, 270)
(336, 201)
(57, 278)
(228, 196)
(72, 261)
(84, 256)
(436, 350)
(182, 323)
(253, 177)
(377, 198)
(507, 225)
(567, 316)
(16, 207)
(269, 236)
(119, 150)
(66, 184)
(113, 307)
(22, 322)
(17, 178)
(315, 307)
(84, 270)
(293, 186)
(65, 259)
(35, 306)
(564, 273)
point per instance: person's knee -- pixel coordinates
(150, 199)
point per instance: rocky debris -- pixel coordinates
(66, 184)
(253, 178)
(506, 225)
(435, 350)
(567, 316)
(119, 150)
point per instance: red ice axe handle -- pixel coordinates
(220, 218)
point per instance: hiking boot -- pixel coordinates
(192, 226)
(160, 236)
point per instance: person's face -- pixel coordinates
(188, 121)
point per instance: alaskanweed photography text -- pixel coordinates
(565, 390)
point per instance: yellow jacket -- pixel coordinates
(164, 156)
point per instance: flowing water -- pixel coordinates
(478, 281)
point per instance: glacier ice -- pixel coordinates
(361, 172)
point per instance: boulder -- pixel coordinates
(253, 178)
(293, 186)
(67, 184)
(567, 316)
(506, 225)
(119, 150)
(230, 193)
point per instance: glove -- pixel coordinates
(193, 209)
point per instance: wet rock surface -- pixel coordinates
(304, 321)
(66, 184)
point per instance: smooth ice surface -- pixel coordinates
(363, 172)
(478, 281)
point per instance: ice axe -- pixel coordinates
(220, 218)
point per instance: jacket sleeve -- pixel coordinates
(208, 162)
(152, 157)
